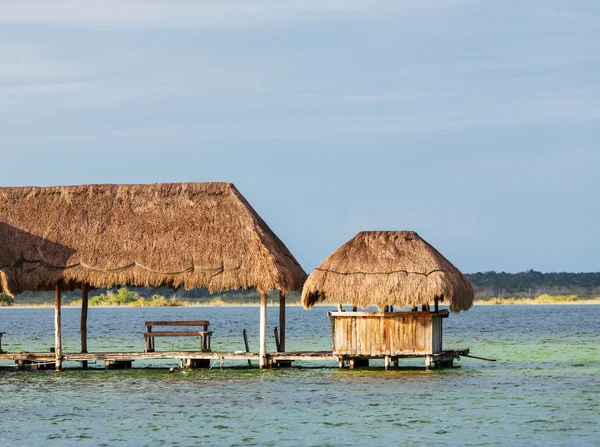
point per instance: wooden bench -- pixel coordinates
(204, 334)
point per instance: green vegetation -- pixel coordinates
(148, 297)
(5, 300)
(126, 297)
(544, 287)
(542, 299)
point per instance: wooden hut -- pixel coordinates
(390, 270)
(178, 235)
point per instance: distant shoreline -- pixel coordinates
(496, 302)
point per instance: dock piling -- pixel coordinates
(84, 314)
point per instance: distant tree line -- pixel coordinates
(531, 283)
(528, 284)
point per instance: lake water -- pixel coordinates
(543, 390)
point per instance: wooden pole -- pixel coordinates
(277, 345)
(263, 330)
(57, 326)
(247, 345)
(282, 321)
(436, 304)
(427, 361)
(84, 314)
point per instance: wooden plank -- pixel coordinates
(178, 323)
(131, 356)
(333, 334)
(385, 324)
(177, 333)
(356, 339)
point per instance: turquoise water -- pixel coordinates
(543, 390)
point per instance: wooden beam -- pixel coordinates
(84, 315)
(263, 330)
(58, 326)
(282, 321)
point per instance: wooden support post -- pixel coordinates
(281, 321)
(354, 308)
(277, 340)
(427, 361)
(263, 330)
(84, 314)
(391, 308)
(58, 326)
(437, 305)
(340, 309)
(247, 345)
(387, 362)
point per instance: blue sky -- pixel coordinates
(474, 123)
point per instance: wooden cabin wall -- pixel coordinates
(380, 334)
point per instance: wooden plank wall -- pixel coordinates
(389, 333)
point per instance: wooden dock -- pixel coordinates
(29, 360)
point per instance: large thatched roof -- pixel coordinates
(179, 235)
(379, 268)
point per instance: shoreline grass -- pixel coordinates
(160, 301)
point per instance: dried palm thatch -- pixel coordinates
(379, 268)
(178, 235)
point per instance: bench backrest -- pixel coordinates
(204, 323)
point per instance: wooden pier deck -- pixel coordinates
(27, 358)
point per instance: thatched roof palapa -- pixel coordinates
(179, 235)
(380, 268)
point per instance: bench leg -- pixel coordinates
(149, 344)
(205, 343)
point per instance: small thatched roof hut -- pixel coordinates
(179, 235)
(380, 268)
